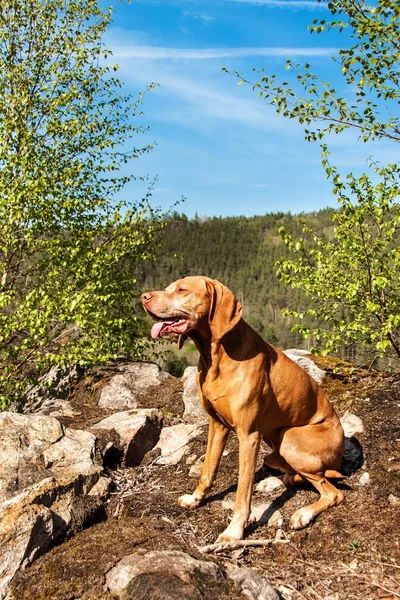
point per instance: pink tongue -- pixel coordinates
(156, 329)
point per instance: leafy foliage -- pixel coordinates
(370, 69)
(350, 279)
(67, 292)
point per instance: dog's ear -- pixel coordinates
(225, 309)
(181, 340)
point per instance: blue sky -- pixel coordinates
(219, 144)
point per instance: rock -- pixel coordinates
(178, 564)
(300, 357)
(352, 425)
(262, 513)
(132, 434)
(50, 396)
(394, 500)
(72, 456)
(123, 390)
(102, 488)
(365, 479)
(194, 410)
(173, 442)
(269, 484)
(195, 469)
(26, 532)
(251, 584)
(46, 473)
(34, 447)
(191, 459)
(144, 573)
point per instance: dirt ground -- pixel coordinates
(351, 552)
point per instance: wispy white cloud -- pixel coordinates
(199, 101)
(160, 53)
(289, 4)
(283, 3)
(204, 18)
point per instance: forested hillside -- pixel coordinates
(240, 252)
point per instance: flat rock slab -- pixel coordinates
(179, 575)
(173, 442)
(124, 389)
(137, 432)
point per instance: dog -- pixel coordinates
(249, 386)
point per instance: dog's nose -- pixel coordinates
(146, 297)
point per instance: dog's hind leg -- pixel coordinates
(276, 461)
(314, 451)
(330, 496)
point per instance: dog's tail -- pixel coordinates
(330, 474)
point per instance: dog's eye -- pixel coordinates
(180, 289)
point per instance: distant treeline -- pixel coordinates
(241, 253)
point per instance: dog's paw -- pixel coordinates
(188, 501)
(231, 535)
(301, 518)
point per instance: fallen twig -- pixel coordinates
(219, 546)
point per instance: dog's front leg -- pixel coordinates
(217, 436)
(249, 445)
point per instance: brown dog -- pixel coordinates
(248, 386)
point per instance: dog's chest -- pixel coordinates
(219, 397)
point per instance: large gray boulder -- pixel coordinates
(46, 472)
(34, 447)
(170, 574)
(125, 437)
(123, 390)
(194, 410)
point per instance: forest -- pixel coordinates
(241, 253)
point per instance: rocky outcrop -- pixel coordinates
(179, 575)
(50, 396)
(34, 447)
(52, 485)
(125, 437)
(45, 473)
(124, 388)
(26, 532)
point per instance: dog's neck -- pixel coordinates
(212, 351)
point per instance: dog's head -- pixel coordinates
(192, 303)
